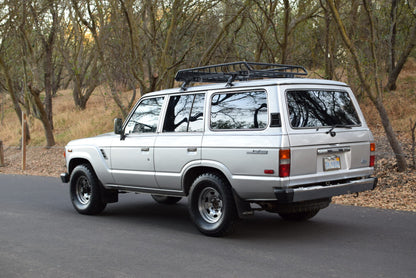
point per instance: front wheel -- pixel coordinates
(85, 191)
(211, 205)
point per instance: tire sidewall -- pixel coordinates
(225, 223)
(95, 204)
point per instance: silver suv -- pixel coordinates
(260, 138)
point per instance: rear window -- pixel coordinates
(311, 108)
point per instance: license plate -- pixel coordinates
(332, 163)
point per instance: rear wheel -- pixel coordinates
(166, 200)
(211, 205)
(302, 211)
(299, 216)
(85, 191)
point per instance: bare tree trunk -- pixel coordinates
(393, 33)
(397, 68)
(285, 30)
(391, 136)
(48, 67)
(43, 116)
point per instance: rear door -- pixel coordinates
(327, 133)
(239, 141)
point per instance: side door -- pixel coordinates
(179, 143)
(132, 155)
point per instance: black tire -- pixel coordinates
(299, 216)
(166, 200)
(211, 205)
(85, 191)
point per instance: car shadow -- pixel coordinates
(262, 225)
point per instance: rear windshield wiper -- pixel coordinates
(332, 127)
(333, 133)
(338, 126)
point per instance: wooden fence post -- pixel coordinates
(1, 154)
(24, 123)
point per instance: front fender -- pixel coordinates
(92, 155)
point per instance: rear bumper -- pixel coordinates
(289, 195)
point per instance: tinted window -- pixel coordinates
(146, 116)
(321, 108)
(245, 110)
(185, 113)
(196, 122)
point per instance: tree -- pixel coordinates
(100, 19)
(369, 75)
(7, 56)
(81, 59)
(275, 25)
(38, 30)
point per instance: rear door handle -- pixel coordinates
(192, 150)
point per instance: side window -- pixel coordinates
(196, 122)
(146, 116)
(185, 114)
(239, 111)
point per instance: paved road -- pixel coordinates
(42, 236)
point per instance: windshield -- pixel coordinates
(314, 108)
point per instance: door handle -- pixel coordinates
(145, 149)
(192, 150)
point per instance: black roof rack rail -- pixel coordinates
(242, 71)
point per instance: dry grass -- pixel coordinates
(400, 104)
(69, 122)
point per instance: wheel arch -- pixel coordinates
(74, 162)
(192, 173)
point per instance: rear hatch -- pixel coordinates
(329, 139)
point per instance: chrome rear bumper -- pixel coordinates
(299, 194)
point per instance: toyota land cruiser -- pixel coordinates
(261, 137)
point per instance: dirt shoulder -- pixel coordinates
(395, 190)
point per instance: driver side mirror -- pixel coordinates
(118, 125)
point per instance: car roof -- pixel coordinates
(251, 83)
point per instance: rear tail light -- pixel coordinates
(372, 154)
(284, 163)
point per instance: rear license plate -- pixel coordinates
(332, 163)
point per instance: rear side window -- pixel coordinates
(185, 114)
(239, 111)
(312, 108)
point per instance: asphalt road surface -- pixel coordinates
(41, 235)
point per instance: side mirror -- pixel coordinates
(118, 125)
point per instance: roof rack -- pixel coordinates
(242, 71)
